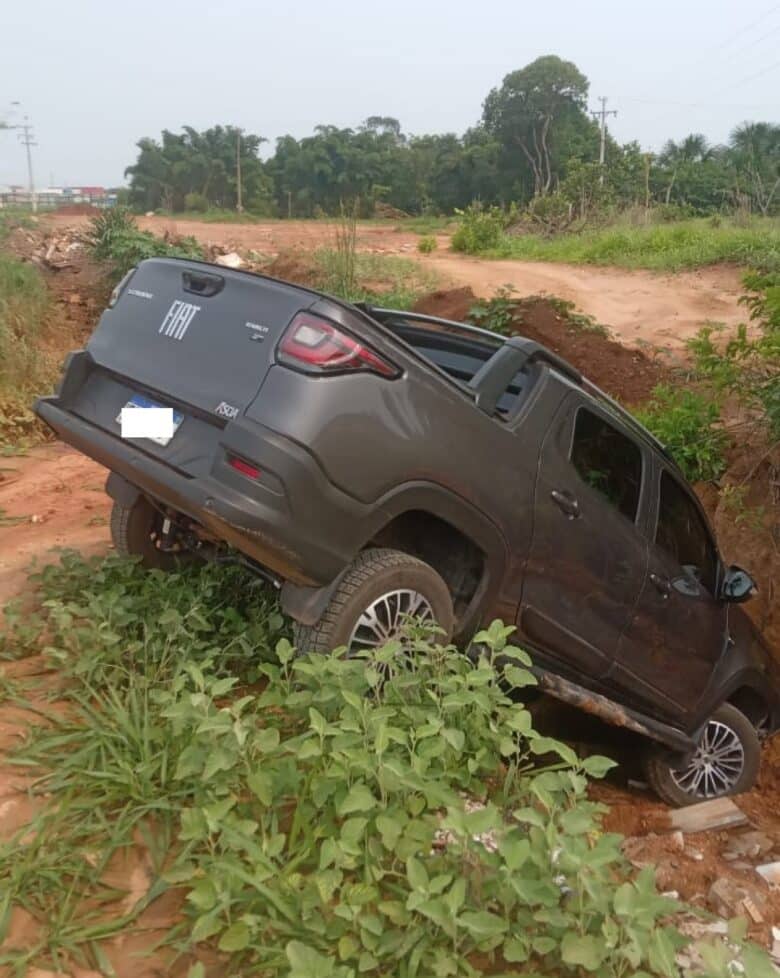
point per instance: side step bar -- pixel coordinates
(612, 712)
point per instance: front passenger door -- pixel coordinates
(678, 632)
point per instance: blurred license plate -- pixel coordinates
(141, 402)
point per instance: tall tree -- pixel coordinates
(525, 110)
(755, 149)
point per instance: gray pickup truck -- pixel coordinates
(375, 464)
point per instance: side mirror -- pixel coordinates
(738, 585)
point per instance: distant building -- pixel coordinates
(48, 197)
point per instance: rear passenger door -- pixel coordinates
(678, 631)
(588, 554)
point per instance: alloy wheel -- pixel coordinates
(384, 619)
(716, 766)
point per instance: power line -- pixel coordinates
(749, 27)
(708, 54)
(744, 81)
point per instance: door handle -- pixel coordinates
(566, 503)
(662, 585)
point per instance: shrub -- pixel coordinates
(481, 228)
(688, 424)
(115, 238)
(426, 244)
(749, 365)
(196, 202)
(497, 313)
(393, 814)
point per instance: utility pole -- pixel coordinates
(602, 115)
(239, 205)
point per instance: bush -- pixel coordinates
(115, 238)
(25, 368)
(393, 814)
(749, 365)
(688, 425)
(196, 202)
(481, 228)
(496, 314)
(426, 244)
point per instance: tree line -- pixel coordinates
(535, 145)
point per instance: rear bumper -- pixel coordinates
(293, 521)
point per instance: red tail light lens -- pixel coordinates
(317, 346)
(243, 467)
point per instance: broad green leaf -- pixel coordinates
(205, 927)
(416, 874)
(596, 766)
(515, 851)
(482, 924)
(261, 785)
(515, 950)
(266, 740)
(548, 745)
(662, 953)
(203, 895)
(359, 799)
(456, 896)
(235, 938)
(390, 829)
(455, 738)
(624, 900)
(584, 950)
(348, 947)
(305, 962)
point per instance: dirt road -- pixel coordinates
(640, 307)
(51, 499)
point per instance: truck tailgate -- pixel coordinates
(198, 334)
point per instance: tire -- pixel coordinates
(727, 730)
(373, 575)
(133, 532)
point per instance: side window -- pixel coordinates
(608, 461)
(682, 533)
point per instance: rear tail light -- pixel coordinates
(318, 346)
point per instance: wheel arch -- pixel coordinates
(438, 527)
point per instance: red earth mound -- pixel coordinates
(629, 375)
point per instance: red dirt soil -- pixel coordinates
(624, 373)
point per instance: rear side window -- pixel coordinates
(682, 533)
(608, 461)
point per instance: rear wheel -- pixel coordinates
(136, 531)
(725, 762)
(373, 601)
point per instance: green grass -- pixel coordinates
(386, 280)
(24, 302)
(217, 215)
(665, 247)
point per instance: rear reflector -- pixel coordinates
(317, 346)
(243, 467)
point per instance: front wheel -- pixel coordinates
(725, 762)
(381, 590)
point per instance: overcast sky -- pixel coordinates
(96, 75)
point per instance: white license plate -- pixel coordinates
(139, 401)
